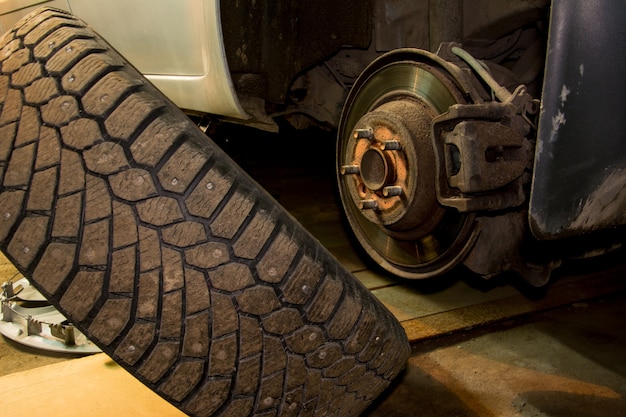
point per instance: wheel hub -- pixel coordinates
(390, 160)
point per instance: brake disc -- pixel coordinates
(386, 167)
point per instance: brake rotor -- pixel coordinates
(386, 167)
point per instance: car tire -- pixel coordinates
(163, 251)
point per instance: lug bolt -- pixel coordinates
(363, 134)
(350, 169)
(368, 204)
(391, 145)
(392, 191)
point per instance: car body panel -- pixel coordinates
(579, 183)
(185, 58)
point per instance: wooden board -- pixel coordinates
(93, 386)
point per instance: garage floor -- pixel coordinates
(564, 362)
(496, 348)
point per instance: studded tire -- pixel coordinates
(163, 251)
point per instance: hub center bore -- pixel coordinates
(374, 169)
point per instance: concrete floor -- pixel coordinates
(566, 362)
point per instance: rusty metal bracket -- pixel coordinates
(27, 321)
(480, 157)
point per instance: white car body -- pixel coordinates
(184, 58)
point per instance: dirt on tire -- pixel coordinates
(163, 251)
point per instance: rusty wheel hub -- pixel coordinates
(390, 163)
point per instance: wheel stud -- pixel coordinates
(350, 169)
(391, 145)
(370, 204)
(392, 191)
(363, 134)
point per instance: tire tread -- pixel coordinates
(163, 251)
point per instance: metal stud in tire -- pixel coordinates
(163, 251)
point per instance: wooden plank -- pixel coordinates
(569, 291)
(411, 301)
(93, 386)
(376, 279)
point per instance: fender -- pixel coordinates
(185, 59)
(579, 183)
